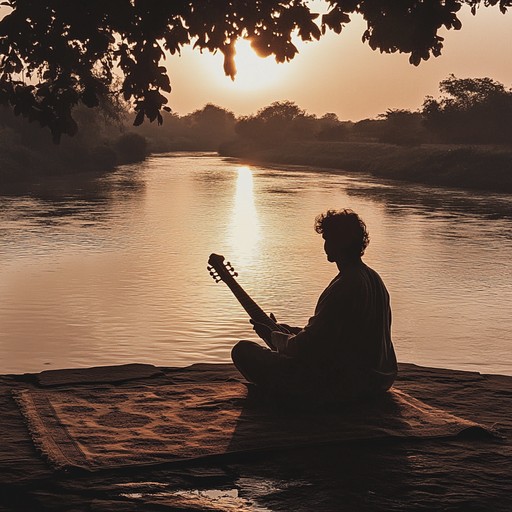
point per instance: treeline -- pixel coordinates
(103, 141)
(106, 138)
(468, 111)
(202, 130)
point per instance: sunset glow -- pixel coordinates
(340, 74)
(245, 231)
(254, 72)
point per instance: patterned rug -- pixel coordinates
(104, 426)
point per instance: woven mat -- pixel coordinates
(109, 426)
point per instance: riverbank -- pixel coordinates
(37, 161)
(457, 473)
(460, 166)
(487, 168)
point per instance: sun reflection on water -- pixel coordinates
(244, 233)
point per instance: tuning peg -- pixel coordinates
(216, 277)
(209, 267)
(231, 269)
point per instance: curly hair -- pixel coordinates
(346, 226)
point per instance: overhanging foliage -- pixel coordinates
(57, 54)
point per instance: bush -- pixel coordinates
(103, 158)
(131, 147)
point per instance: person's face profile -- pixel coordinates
(329, 248)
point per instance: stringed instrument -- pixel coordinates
(224, 271)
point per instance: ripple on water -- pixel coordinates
(114, 270)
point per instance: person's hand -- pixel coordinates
(284, 343)
(264, 332)
(280, 341)
(282, 327)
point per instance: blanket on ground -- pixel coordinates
(106, 426)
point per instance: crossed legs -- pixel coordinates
(267, 369)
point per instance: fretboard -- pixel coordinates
(253, 310)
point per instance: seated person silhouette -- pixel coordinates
(345, 352)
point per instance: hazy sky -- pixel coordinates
(341, 74)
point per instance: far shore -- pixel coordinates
(472, 167)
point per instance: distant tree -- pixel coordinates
(279, 122)
(470, 110)
(210, 126)
(281, 111)
(131, 147)
(465, 93)
(56, 54)
(164, 138)
(369, 130)
(330, 118)
(402, 127)
(330, 128)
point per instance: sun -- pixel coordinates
(254, 72)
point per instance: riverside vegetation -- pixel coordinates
(462, 139)
(103, 141)
(460, 166)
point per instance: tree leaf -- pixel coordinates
(139, 118)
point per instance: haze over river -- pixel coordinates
(113, 270)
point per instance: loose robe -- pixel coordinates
(346, 348)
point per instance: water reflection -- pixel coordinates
(434, 202)
(112, 271)
(65, 211)
(59, 199)
(244, 233)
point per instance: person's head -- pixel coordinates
(345, 234)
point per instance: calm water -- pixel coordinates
(113, 270)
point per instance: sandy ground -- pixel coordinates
(466, 474)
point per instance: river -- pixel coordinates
(112, 269)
